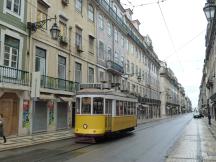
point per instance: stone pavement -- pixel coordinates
(197, 144)
(17, 142)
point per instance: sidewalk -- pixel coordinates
(17, 142)
(140, 121)
(197, 144)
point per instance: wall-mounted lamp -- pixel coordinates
(209, 10)
(54, 31)
(126, 76)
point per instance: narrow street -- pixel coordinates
(150, 142)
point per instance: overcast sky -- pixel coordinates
(183, 47)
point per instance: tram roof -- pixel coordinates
(92, 91)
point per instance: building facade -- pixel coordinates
(127, 58)
(207, 96)
(63, 63)
(14, 77)
(173, 99)
(98, 42)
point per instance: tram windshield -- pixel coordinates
(86, 105)
(98, 104)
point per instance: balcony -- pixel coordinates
(58, 84)
(115, 68)
(12, 76)
(120, 22)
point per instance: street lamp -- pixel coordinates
(126, 76)
(54, 31)
(209, 10)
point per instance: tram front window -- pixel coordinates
(86, 105)
(98, 104)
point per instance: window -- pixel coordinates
(42, 16)
(137, 70)
(121, 110)
(116, 59)
(117, 108)
(115, 9)
(78, 72)
(109, 29)
(109, 53)
(140, 72)
(62, 71)
(90, 12)
(122, 41)
(132, 68)
(98, 104)
(11, 52)
(91, 44)
(77, 105)
(128, 66)
(101, 50)
(78, 37)
(86, 105)
(101, 76)
(108, 106)
(91, 75)
(116, 35)
(79, 5)
(40, 62)
(63, 29)
(14, 6)
(101, 22)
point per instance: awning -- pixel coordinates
(145, 105)
(47, 97)
(67, 99)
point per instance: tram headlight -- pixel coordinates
(85, 126)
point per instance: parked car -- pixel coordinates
(198, 116)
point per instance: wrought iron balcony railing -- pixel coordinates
(58, 84)
(120, 22)
(114, 67)
(14, 76)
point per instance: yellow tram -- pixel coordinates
(100, 112)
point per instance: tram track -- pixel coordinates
(71, 148)
(87, 145)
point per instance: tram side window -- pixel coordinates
(86, 105)
(133, 109)
(108, 109)
(117, 108)
(98, 104)
(120, 108)
(78, 105)
(128, 108)
(125, 108)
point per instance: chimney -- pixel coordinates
(129, 13)
(136, 23)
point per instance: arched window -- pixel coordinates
(90, 12)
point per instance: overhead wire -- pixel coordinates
(170, 36)
(185, 44)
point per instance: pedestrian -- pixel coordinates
(209, 118)
(2, 128)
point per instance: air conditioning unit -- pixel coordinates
(65, 2)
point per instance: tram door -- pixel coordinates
(109, 114)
